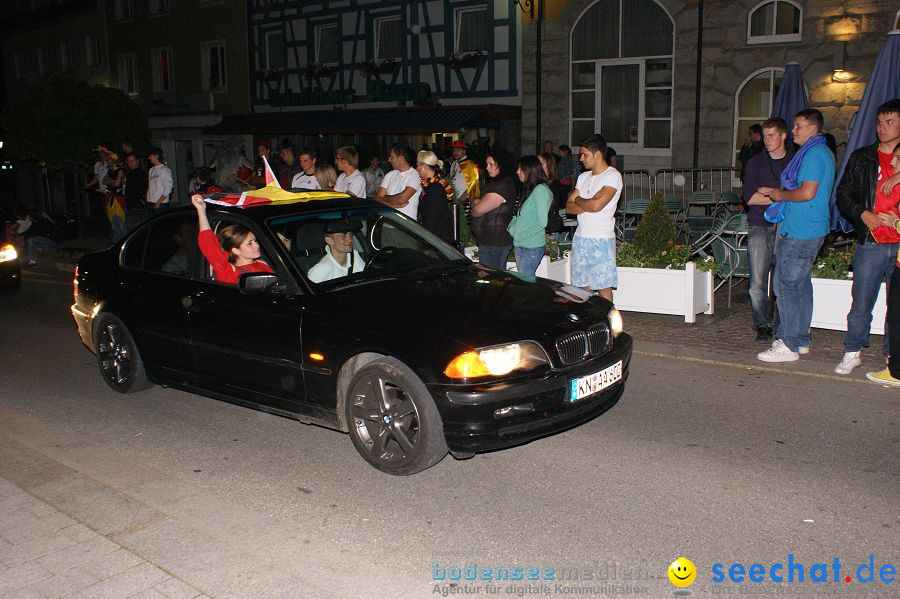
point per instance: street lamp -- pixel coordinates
(526, 6)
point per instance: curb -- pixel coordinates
(809, 368)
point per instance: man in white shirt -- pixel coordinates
(101, 168)
(160, 187)
(400, 188)
(374, 174)
(339, 257)
(306, 179)
(350, 180)
(594, 200)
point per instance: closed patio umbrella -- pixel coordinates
(883, 85)
(792, 96)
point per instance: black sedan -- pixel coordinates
(412, 349)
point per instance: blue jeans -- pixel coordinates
(761, 252)
(33, 243)
(527, 259)
(494, 255)
(872, 262)
(794, 259)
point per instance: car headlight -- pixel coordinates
(7, 253)
(616, 324)
(496, 360)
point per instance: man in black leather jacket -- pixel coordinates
(867, 169)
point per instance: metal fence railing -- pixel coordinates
(636, 184)
(682, 182)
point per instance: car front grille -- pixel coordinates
(579, 345)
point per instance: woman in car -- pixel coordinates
(436, 198)
(528, 224)
(235, 250)
(492, 212)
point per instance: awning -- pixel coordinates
(373, 121)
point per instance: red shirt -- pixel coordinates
(225, 271)
(885, 203)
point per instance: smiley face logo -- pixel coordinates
(682, 572)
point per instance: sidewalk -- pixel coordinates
(46, 553)
(724, 338)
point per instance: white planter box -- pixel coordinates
(685, 292)
(831, 303)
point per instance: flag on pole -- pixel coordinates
(270, 176)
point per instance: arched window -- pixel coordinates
(774, 21)
(753, 103)
(621, 76)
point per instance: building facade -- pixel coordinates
(186, 64)
(374, 71)
(629, 69)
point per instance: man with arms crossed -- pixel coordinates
(763, 170)
(400, 188)
(594, 200)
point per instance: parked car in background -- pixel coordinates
(415, 351)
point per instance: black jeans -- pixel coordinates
(893, 318)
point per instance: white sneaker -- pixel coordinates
(851, 360)
(803, 350)
(779, 352)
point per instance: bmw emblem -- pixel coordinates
(574, 317)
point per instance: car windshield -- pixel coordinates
(354, 245)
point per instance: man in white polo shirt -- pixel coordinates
(160, 186)
(306, 179)
(594, 200)
(400, 188)
(351, 181)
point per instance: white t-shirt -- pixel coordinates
(355, 184)
(101, 169)
(599, 225)
(303, 181)
(328, 268)
(394, 182)
(160, 184)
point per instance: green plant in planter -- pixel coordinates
(834, 264)
(655, 233)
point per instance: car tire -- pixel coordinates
(392, 419)
(118, 357)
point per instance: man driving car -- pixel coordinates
(340, 258)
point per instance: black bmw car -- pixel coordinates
(416, 352)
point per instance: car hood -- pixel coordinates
(470, 305)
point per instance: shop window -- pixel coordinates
(213, 70)
(753, 103)
(774, 21)
(124, 9)
(65, 57)
(275, 53)
(92, 50)
(390, 38)
(43, 62)
(471, 29)
(162, 68)
(327, 44)
(18, 66)
(160, 7)
(621, 76)
(127, 73)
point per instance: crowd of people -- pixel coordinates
(514, 204)
(787, 189)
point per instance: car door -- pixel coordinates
(158, 264)
(248, 346)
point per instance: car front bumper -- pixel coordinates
(529, 408)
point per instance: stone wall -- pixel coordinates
(727, 61)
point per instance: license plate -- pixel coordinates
(594, 383)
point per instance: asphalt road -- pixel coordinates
(720, 465)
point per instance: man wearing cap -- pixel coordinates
(101, 169)
(160, 186)
(340, 257)
(463, 173)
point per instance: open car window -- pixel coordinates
(217, 224)
(384, 243)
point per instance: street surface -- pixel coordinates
(718, 464)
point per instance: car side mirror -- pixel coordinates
(258, 283)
